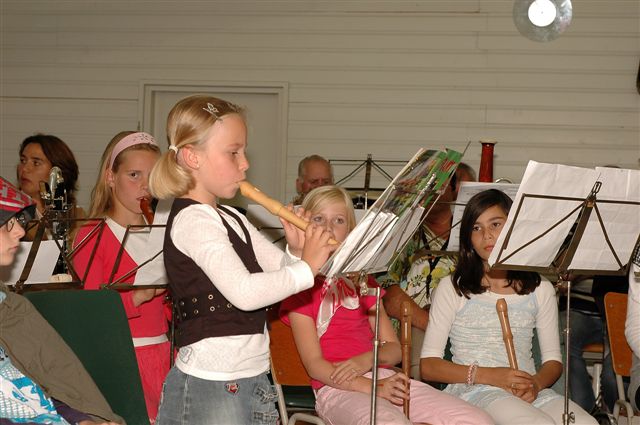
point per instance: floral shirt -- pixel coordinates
(417, 271)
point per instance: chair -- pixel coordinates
(287, 370)
(615, 306)
(94, 325)
(593, 356)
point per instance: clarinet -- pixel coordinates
(57, 213)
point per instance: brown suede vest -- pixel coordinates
(201, 310)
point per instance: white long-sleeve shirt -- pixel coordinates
(198, 232)
(632, 324)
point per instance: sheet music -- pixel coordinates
(369, 235)
(467, 190)
(43, 265)
(538, 215)
(623, 222)
(398, 239)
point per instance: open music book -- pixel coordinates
(394, 217)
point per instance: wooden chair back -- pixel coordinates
(288, 370)
(615, 305)
(287, 367)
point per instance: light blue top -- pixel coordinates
(476, 335)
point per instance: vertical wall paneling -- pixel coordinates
(360, 77)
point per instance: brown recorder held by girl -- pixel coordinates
(405, 342)
(274, 207)
(147, 211)
(507, 336)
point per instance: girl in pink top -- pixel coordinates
(333, 329)
(122, 183)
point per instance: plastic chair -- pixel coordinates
(615, 305)
(287, 370)
(94, 325)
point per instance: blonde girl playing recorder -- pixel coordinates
(333, 329)
(222, 271)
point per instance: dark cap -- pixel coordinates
(13, 201)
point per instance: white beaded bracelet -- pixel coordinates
(471, 373)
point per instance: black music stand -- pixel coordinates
(154, 275)
(58, 226)
(155, 244)
(387, 225)
(368, 165)
(154, 257)
(566, 259)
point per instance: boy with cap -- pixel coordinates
(16, 209)
(31, 351)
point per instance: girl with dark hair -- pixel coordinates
(471, 267)
(464, 311)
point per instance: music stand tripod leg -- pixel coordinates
(374, 371)
(567, 417)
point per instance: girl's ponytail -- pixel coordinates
(169, 179)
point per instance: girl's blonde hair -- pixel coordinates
(101, 201)
(323, 195)
(188, 123)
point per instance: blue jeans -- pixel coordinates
(187, 400)
(588, 329)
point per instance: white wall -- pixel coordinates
(379, 77)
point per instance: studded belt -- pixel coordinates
(205, 304)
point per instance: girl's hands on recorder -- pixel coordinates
(512, 381)
(316, 248)
(295, 237)
(312, 245)
(528, 394)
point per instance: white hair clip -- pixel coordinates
(212, 110)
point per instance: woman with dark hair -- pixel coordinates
(40, 153)
(464, 311)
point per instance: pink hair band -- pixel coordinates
(140, 138)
